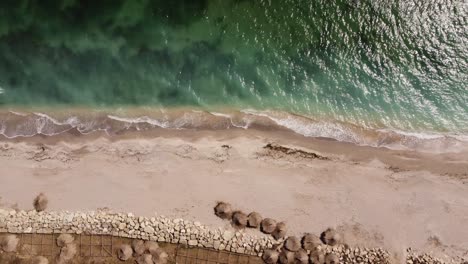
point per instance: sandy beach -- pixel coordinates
(373, 196)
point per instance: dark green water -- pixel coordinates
(381, 63)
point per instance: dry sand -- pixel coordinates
(375, 197)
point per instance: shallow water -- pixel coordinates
(114, 122)
(372, 65)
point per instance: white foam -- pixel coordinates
(311, 129)
(17, 113)
(220, 114)
(138, 120)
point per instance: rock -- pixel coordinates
(239, 219)
(292, 243)
(9, 243)
(317, 257)
(286, 257)
(138, 247)
(67, 253)
(268, 225)
(228, 235)
(40, 260)
(280, 231)
(193, 242)
(270, 256)
(216, 245)
(64, 239)
(332, 258)
(160, 256)
(301, 257)
(223, 210)
(124, 252)
(254, 220)
(330, 237)
(145, 259)
(310, 242)
(151, 246)
(40, 202)
(149, 230)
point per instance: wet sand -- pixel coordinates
(374, 196)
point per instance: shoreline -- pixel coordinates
(376, 196)
(23, 124)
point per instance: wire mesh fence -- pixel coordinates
(101, 247)
(46, 245)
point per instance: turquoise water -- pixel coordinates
(374, 64)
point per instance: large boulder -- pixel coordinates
(239, 219)
(332, 258)
(301, 257)
(9, 243)
(124, 252)
(317, 257)
(310, 242)
(223, 210)
(64, 239)
(270, 256)
(280, 230)
(268, 225)
(145, 259)
(160, 256)
(286, 257)
(40, 202)
(40, 260)
(330, 237)
(151, 246)
(67, 253)
(254, 220)
(138, 247)
(292, 243)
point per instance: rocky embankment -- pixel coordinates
(164, 229)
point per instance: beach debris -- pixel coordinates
(332, 258)
(223, 210)
(124, 252)
(40, 260)
(317, 257)
(286, 257)
(268, 225)
(239, 219)
(330, 237)
(9, 243)
(151, 246)
(292, 243)
(64, 239)
(67, 253)
(280, 231)
(310, 241)
(254, 220)
(160, 256)
(301, 257)
(145, 259)
(40, 202)
(295, 152)
(138, 247)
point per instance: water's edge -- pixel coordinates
(22, 124)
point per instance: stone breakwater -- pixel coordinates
(164, 229)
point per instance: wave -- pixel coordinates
(14, 124)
